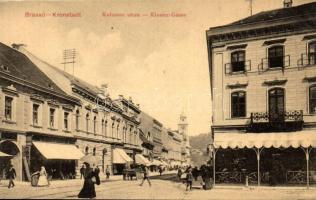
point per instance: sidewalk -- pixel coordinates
(58, 183)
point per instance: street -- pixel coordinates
(162, 188)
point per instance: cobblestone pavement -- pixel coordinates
(160, 189)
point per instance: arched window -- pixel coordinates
(238, 61)
(312, 99)
(312, 53)
(86, 151)
(238, 104)
(94, 151)
(106, 128)
(95, 124)
(276, 56)
(87, 122)
(77, 119)
(117, 130)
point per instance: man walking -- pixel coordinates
(81, 171)
(146, 176)
(11, 174)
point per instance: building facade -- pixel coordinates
(262, 71)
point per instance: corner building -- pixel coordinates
(263, 85)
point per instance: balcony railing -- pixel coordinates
(281, 121)
(237, 67)
(307, 60)
(279, 62)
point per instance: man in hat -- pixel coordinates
(11, 174)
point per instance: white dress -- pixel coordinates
(42, 181)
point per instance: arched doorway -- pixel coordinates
(9, 147)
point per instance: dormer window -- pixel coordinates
(238, 61)
(276, 56)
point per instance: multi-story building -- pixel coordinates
(105, 129)
(146, 135)
(157, 134)
(35, 120)
(263, 86)
(175, 145)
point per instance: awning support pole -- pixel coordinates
(258, 152)
(307, 152)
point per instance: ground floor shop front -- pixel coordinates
(265, 158)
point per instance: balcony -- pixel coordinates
(274, 63)
(276, 122)
(237, 67)
(307, 60)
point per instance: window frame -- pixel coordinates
(310, 99)
(52, 118)
(310, 43)
(37, 112)
(238, 52)
(238, 104)
(275, 47)
(8, 108)
(66, 120)
(87, 122)
(77, 120)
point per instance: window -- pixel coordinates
(238, 61)
(94, 151)
(95, 125)
(238, 103)
(312, 99)
(312, 53)
(106, 128)
(102, 124)
(51, 117)
(66, 115)
(275, 56)
(8, 108)
(87, 122)
(86, 151)
(77, 119)
(35, 114)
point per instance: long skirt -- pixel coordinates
(42, 181)
(88, 190)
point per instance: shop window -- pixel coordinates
(66, 125)
(8, 108)
(238, 104)
(52, 117)
(238, 61)
(276, 56)
(312, 53)
(312, 99)
(35, 114)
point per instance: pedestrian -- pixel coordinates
(195, 173)
(160, 170)
(179, 174)
(42, 180)
(97, 170)
(11, 174)
(82, 171)
(90, 178)
(189, 179)
(146, 176)
(107, 172)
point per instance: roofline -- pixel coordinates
(38, 87)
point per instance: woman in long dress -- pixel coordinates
(42, 180)
(90, 178)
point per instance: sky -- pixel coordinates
(161, 62)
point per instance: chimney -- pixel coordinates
(287, 3)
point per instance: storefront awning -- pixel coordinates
(58, 151)
(140, 159)
(304, 139)
(120, 157)
(156, 162)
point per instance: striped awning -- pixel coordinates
(305, 138)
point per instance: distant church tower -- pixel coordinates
(183, 130)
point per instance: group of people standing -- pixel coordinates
(192, 174)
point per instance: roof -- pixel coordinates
(22, 67)
(295, 11)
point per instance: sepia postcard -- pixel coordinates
(158, 99)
